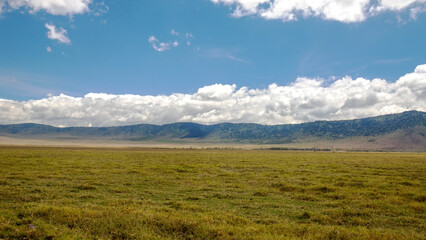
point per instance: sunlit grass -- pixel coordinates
(48, 193)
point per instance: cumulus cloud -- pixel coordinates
(344, 11)
(58, 34)
(48, 49)
(54, 7)
(304, 100)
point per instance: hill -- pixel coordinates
(396, 132)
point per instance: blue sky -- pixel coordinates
(113, 47)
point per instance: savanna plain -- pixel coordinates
(95, 193)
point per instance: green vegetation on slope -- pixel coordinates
(411, 123)
(52, 193)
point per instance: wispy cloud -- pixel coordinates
(222, 54)
(159, 46)
(416, 11)
(100, 8)
(306, 99)
(58, 34)
(173, 32)
(392, 61)
(23, 85)
(189, 37)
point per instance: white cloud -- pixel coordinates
(416, 11)
(338, 10)
(57, 34)
(161, 46)
(397, 5)
(215, 92)
(304, 100)
(152, 39)
(49, 49)
(55, 7)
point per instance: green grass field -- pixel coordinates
(60, 193)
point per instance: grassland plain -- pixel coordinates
(77, 193)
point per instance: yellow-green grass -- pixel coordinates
(70, 193)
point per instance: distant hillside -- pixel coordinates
(399, 127)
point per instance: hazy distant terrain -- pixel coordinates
(404, 131)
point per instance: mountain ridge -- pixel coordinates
(410, 123)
